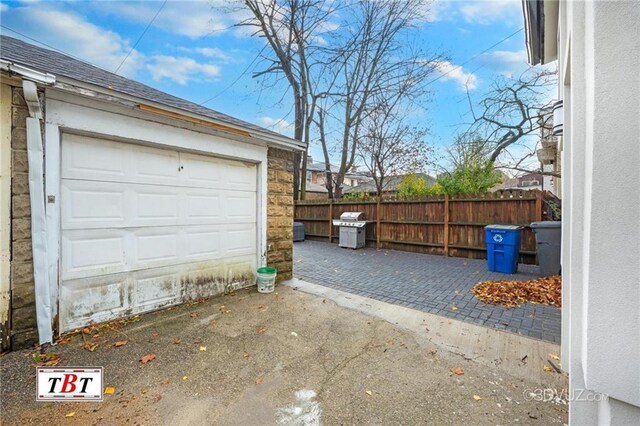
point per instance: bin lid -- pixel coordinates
(504, 227)
(546, 224)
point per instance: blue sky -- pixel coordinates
(192, 51)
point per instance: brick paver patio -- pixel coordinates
(428, 283)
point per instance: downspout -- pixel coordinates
(35, 153)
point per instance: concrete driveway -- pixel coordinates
(289, 358)
(434, 284)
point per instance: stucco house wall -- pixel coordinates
(599, 73)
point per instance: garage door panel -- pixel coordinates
(92, 300)
(92, 205)
(202, 242)
(155, 246)
(240, 207)
(240, 176)
(95, 159)
(240, 240)
(202, 206)
(201, 172)
(154, 289)
(155, 205)
(93, 252)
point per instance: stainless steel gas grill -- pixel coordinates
(352, 229)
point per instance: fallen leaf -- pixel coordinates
(109, 390)
(547, 368)
(458, 371)
(155, 334)
(203, 348)
(476, 397)
(184, 378)
(91, 347)
(149, 357)
(259, 381)
(165, 382)
(554, 356)
(227, 312)
(511, 294)
(120, 343)
(245, 355)
(294, 334)
(177, 342)
(324, 300)
(454, 308)
(70, 414)
(193, 314)
(197, 340)
(261, 330)
(369, 392)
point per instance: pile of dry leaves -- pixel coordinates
(511, 294)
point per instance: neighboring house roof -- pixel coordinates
(391, 184)
(314, 187)
(320, 167)
(44, 60)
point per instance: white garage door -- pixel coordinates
(144, 228)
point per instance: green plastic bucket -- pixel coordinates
(266, 279)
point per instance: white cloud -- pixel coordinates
(193, 19)
(3, 7)
(482, 12)
(490, 11)
(507, 63)
(280, 125)
(180, 69)
(449, 71)
(209, 52)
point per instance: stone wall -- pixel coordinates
(23, 311)
(280, 212)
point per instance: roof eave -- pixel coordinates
(541, 30)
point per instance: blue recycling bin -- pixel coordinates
(503, 247)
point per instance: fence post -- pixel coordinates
(330, 220)
(378, 223)
(538, 206)
(446, 225)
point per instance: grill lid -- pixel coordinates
(351, 216)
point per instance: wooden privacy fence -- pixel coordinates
(444, 225)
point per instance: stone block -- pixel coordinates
(21, 250)
(19, 138)
(24, 339)
(20, 206)
(21, 273)
(23, 318)
(19, 161)
(23, 295)
(17, 97)
(21, 228)
(19, 116)
(20, 184)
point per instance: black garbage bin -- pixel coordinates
(548, 234)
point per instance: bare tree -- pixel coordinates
(390, 147)
(510, 116)
(292, 29)
(371, 62)
(333, 77)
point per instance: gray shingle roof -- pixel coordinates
(390, 184)
(60, 65)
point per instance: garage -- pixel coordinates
(145, 227)
(122, 199)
